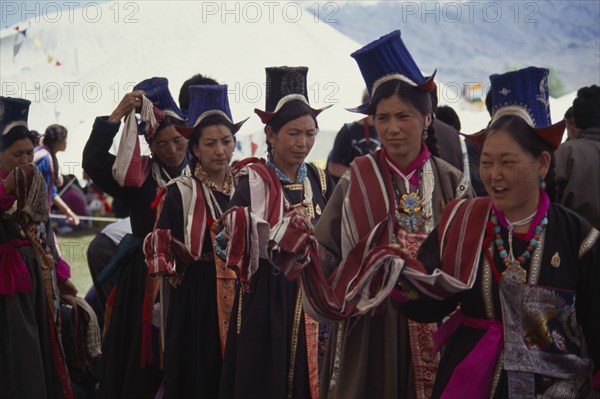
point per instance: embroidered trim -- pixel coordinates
(294, 186)
(337, 355)
(536, 261)
(295, 332)
(225, 284)
(239, 315)
(322, 180)
(497, 373)
(312, 354)
(424, 360)
(463, 188)
(588, 242)
(427, 185)
(487, 286)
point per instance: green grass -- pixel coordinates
(74, 251)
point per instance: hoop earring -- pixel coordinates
(425, 134)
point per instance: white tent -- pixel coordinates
(75, 64)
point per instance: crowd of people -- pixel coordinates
(421, 263)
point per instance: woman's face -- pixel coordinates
(215, 148)
(400, 128)
(512, 175)
(19, 153)
(293, 142)
(169, 146)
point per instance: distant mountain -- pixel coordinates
(469, 40)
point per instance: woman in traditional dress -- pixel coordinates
(32, 361)
(393, 196)
(202, 290)
(128, 368)
(522, 270)
(44, 157)
(272, 347)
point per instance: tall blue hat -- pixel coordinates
(524, 94)
(13, 113)
(206, 100)
(285, 84)
(385, 59)
(157, 90)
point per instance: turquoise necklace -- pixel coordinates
(514, 267)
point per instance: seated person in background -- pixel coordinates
(99, 254)
(73, 195)
(97, 201)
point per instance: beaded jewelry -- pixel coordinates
(203, 177)
(409, 210)
(514, 267)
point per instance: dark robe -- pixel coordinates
(192, 353)
(565, 236)
(27, 366)
(257, 359)
(370, 355)
(122, 375)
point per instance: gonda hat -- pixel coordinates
(285, 85)
(207, 100)
(524, 94)
(157, 90)
(13, 113)
(385, 59)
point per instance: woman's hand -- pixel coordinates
(9, 183)
(71, 216)
(72, 219)
(129, 102)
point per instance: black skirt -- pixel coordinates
(122, 376)
(257, 360)
(192, 343)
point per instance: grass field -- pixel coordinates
(74, 251)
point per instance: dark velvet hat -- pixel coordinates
(157, 90)
(206, 100)
(13, 113)
(385, 59)
(285, 84)
(524, 94)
